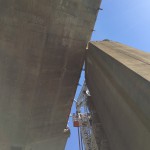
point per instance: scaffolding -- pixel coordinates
(82, 119)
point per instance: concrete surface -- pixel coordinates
(42, 46)
(97, 126)
(118, 78)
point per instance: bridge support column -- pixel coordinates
(118, 78)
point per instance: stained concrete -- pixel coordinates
(42, 47)
(97, 126)
(118, 78)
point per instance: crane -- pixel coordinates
(82, 119)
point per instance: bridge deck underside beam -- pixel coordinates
(42, 49)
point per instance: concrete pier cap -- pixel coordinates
(42, 49)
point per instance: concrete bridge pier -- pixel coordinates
(118, 78)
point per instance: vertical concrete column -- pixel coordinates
(118, 78)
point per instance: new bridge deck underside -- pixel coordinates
(42, 48)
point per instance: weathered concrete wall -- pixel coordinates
(42, 46)
(54, 143)
(97, 126)
(118, 78)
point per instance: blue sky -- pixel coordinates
(124, 21)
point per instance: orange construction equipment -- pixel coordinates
(76, 122)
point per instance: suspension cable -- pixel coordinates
(79, 139)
